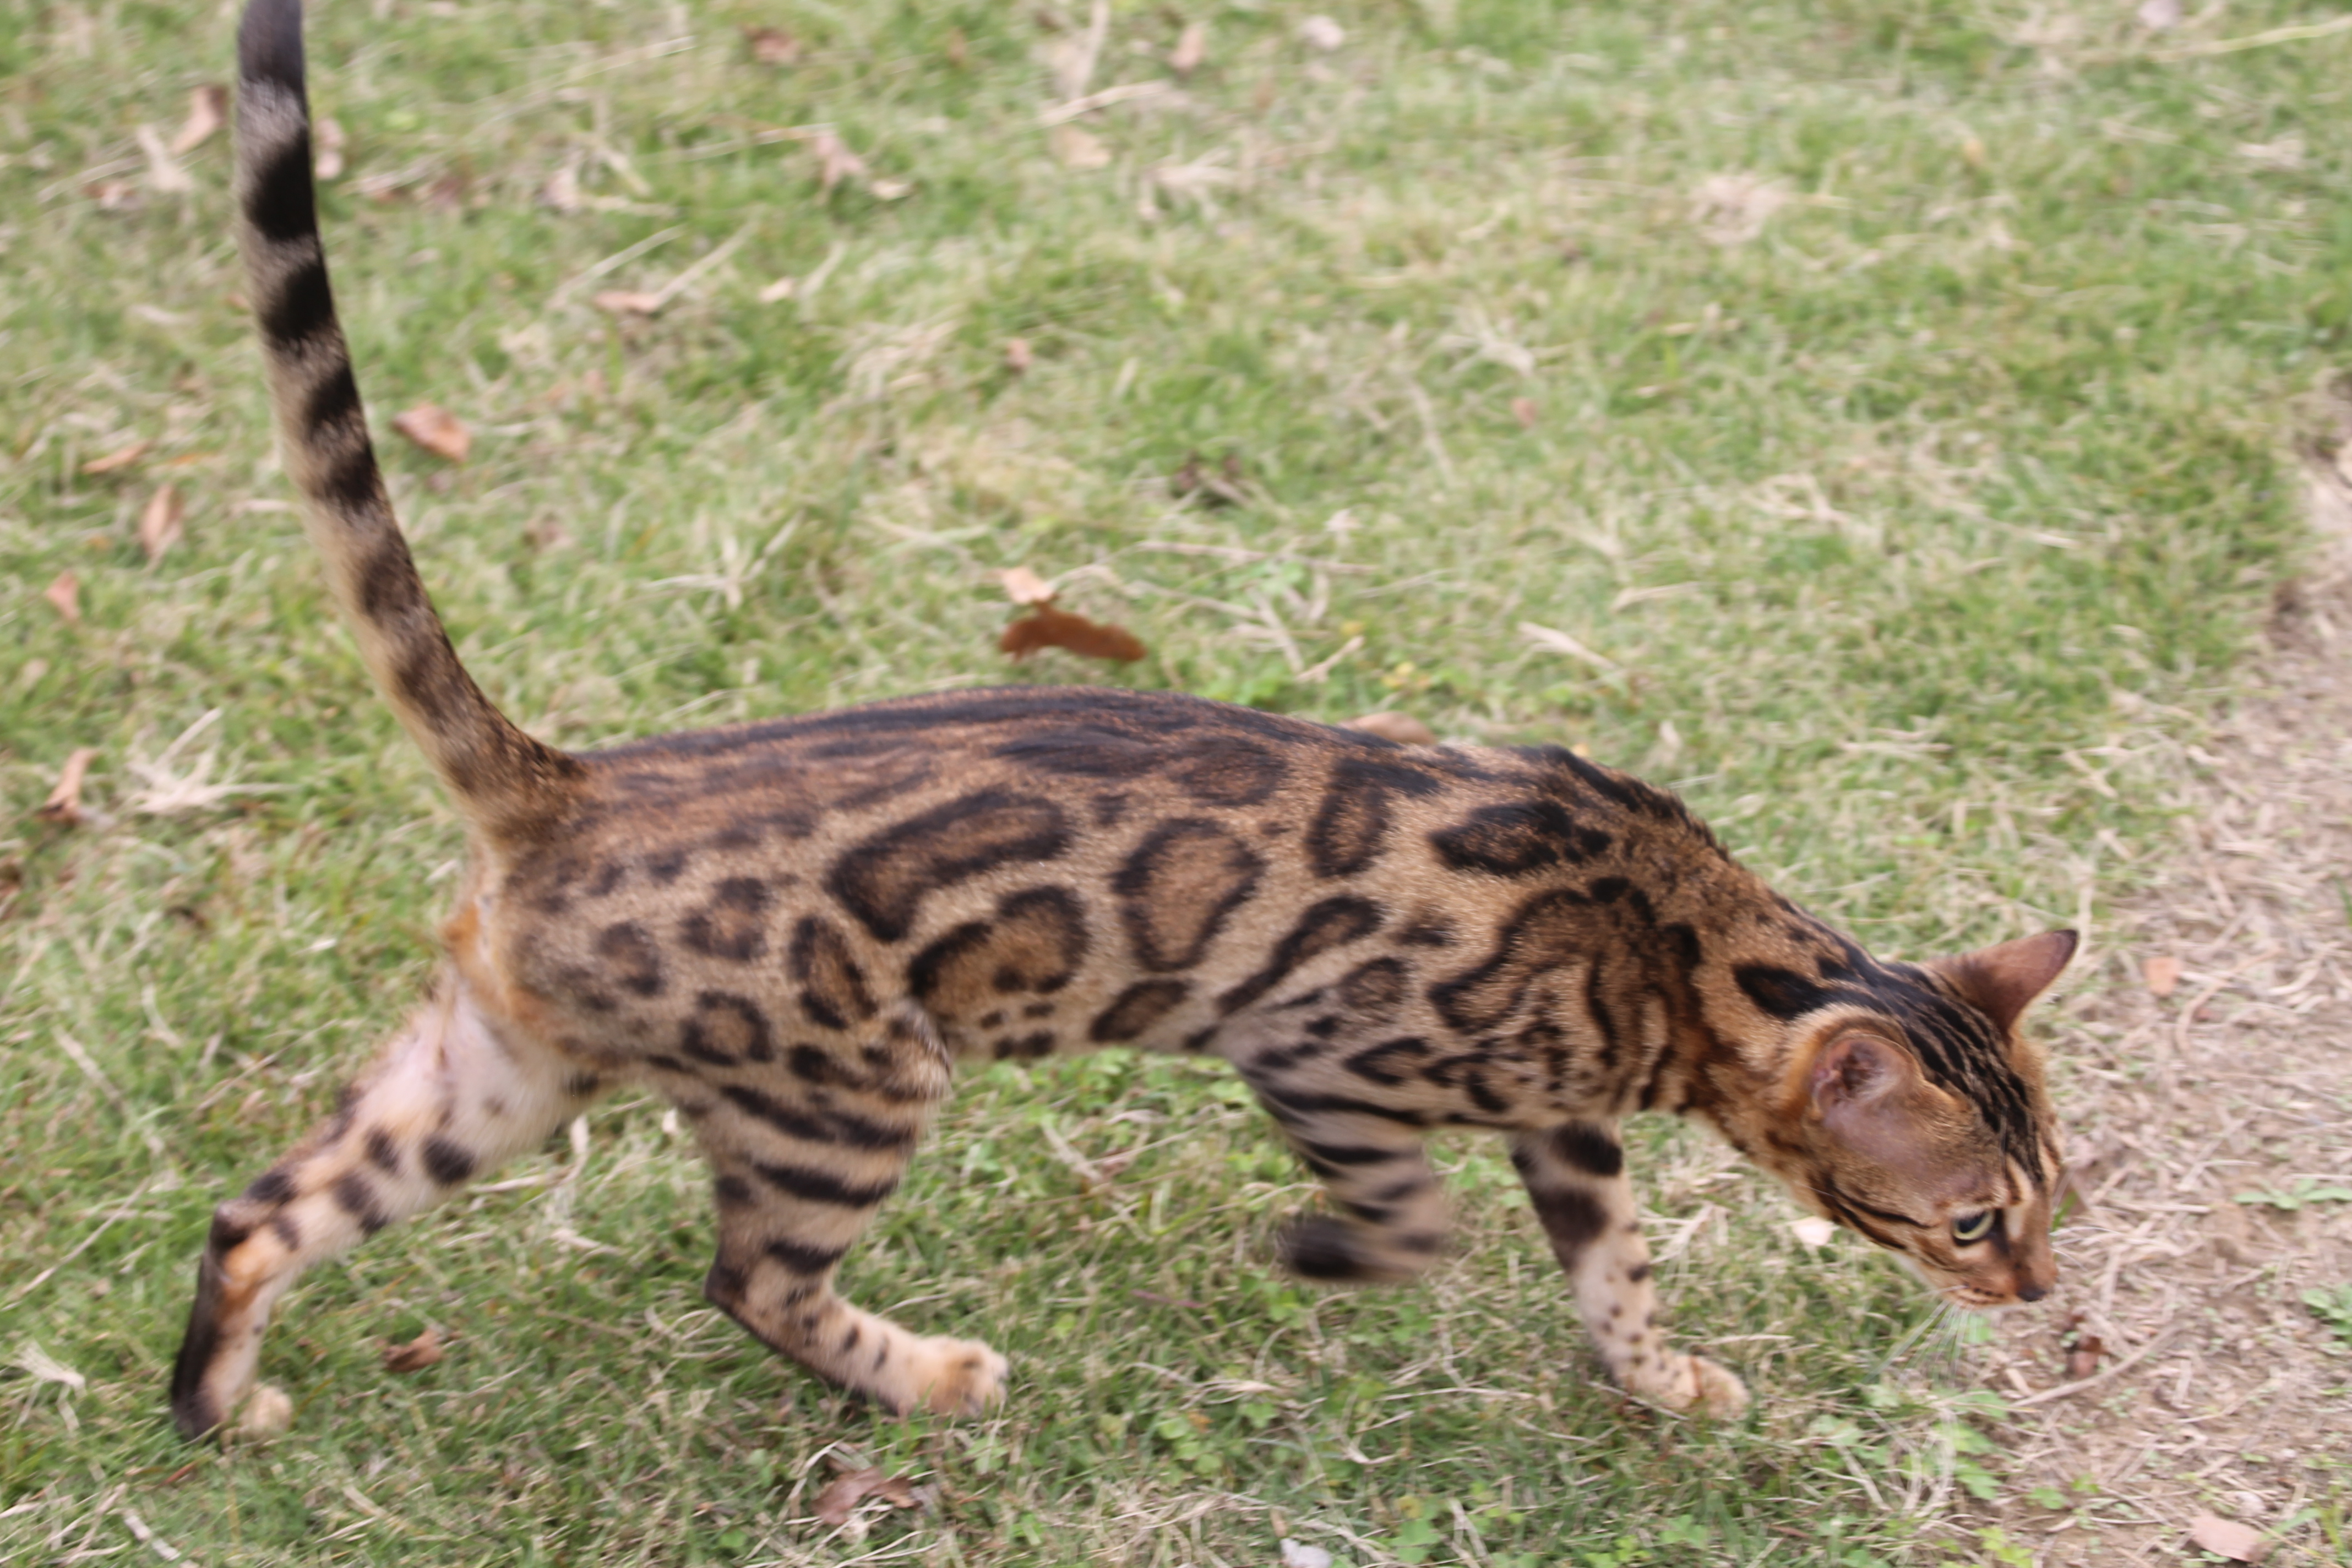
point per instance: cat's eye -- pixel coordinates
(1970, 1228)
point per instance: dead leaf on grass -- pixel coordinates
(2156, 15)
(2228, 1538)
(835, 161)
(844, 1493)
(438, 430)
(1018, 355)
(120, 458)
(64, 804)
(887, 190)
(165, 175)
(628, 302)
(2083, 1359)
(113, 196)
(327, 150)
(1732, 209)
(1403, 727)
(1075, 147)
(1813, 1231)
(159, 523)
(1191, 49)
(1322, 34)
(2162, 974)
(207, 112)
(1046, 627)
(1220, 486)
(772, 46)
(66, 594)
(269, 1413)
(1023, 586)
(1523, 409)
(416, 1354)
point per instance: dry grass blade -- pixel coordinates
(160, 522)
(63, 803)
(436, 430)
(1557, 641)
(165, 175)
(65, 592)
(327, 150)
(207, 112)
(628, 302)
(120, 458)
(1046, 627)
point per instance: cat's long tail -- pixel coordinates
(504, 782)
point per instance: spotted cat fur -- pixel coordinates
(793, 930)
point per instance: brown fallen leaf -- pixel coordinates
(1192, 48)
(113, 196)
(66, 594)
(2082, 1359)
(207, 112)
(1220, 486)
(1017, 354)
(165, 175)
(844, 1493)
(416, 1354)
(447, 194)
(958, 49)
(628, 302)
(64, 804)
(772, 46)
(327, 150)
(1403, 727)
(2162, 974)
(1075, 147)
(1023, 586)
(436, 430)
(1322, 35)
(2228, 1538)
(1046, 627)
(835, 161)
(1523, 409)
(120, 458)
(159, 523)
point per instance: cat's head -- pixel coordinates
(1919, 1117)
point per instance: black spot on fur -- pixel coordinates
(824, 1187)
(272, 1186)
(832, 987)
(303, 305)
(1373, 988)
(1136, 1009)
(1351, 827)
(381, 1152)
(1178, 887)
(1584, 1147)
(1573, 1218)
(446, 1162)
(1034, 946)
(1518, 839)
(1780, 992)
(632, 958)
(357, 1197)
(1331, 923)
(733, 924)
(802, 1259)
(884, 879)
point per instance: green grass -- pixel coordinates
(1912, 529)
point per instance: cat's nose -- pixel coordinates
(2031, 1292)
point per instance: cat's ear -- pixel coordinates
(1870, 1096)
(2001, 981)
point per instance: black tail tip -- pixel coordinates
(269, 43)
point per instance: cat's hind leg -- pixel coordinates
(453, 1095)
(1575, 1176)
(1388, 1220)
(804, 1152)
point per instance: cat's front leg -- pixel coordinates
(1575, 1176)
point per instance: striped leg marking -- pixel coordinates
(802, 1160)
(451, 1097)
(1387, 1221)
(1575, 1177)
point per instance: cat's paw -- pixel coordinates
(957, 1377)
(1694, 1383)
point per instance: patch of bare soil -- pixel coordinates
(2206, 1125)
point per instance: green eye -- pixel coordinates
(1971, 1228)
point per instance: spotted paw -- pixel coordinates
(957, 1377)
(1693, 1381)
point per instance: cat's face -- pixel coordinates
(1925, 1124)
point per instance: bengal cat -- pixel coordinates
(793, 930)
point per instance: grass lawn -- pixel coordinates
(1892, 402)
